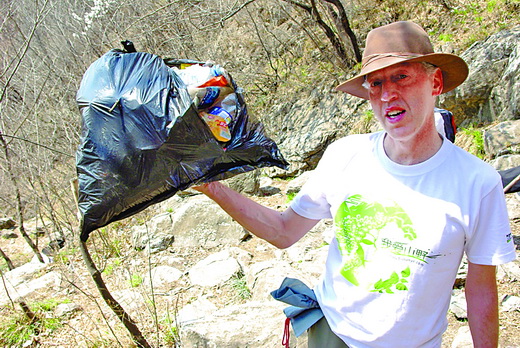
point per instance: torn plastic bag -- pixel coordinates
(143, 140)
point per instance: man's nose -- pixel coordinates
(388, 91)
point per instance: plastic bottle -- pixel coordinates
(227, 105)
(220, 112)
(207, 96)
(218, 126)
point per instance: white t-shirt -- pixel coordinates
(400, 234)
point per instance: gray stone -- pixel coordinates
(512, 270)
(214, 270)
(245, 183)
(9, 234)
(132, 301)
(505, 162)
(253, 324)
(491, 91)
(296, 184)
(463, 338)
(200, 222)
(6, 223)
(162, 276)
(25, 289)
(458, 304)
(155, 235)
(502, 138)
(66, 309)
(197, 310)
(510, 303)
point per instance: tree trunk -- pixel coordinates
(344, 24)
(19, 206)
(333, 38)
(7, 260)
(127, 321)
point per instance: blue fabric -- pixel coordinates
(305, 310)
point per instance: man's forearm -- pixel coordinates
(482, 300)
(281, 229)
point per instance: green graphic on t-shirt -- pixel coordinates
(358, 226)
(393, 283)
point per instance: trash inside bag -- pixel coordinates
(152, 127)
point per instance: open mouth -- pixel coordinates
(394, 113)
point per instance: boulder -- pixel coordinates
(491, 91)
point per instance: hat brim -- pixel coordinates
(454, 70)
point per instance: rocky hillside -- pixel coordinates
(191, 277)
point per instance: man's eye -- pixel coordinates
(402, 76)
(375, 83)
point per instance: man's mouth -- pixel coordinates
(394, 113)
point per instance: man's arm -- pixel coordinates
(282, 229)
(482, 300)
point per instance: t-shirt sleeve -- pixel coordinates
(311, 202)
(491, 243)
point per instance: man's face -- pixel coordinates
(403, 97)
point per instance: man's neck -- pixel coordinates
(412, 151)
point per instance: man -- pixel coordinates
(406, 204)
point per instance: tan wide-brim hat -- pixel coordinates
(403, 42)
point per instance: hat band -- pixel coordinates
(374, 57)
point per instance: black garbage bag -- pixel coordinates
(143, 140)
(510, 179)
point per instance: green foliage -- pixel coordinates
(491, 5)
(290, 197)
(135, 280)
(239, 284)
(111, 265)
(16, 328)
(446, 37)
(171, 332)
(477, 147)
(47, 305)
(113, 246)
(64, 255)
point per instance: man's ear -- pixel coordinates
(438, 82)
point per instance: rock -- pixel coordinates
(6, 223)
(254, 325)
(510, 303)
(304, 126)
(512, 270)
(24, 273)
(154, 236)
(502, 139)
(26, 289)
(197, 310)
(9, 234)
(214, 270)
(266, 276)
(513, 205)
(200, 222)
(458, 304)
(463, 338)
(162, 277)
(491, 91)
(245, 183)
(268, 190)
(296, 184)
(131, 301)
(66, 309)
(506, 162)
